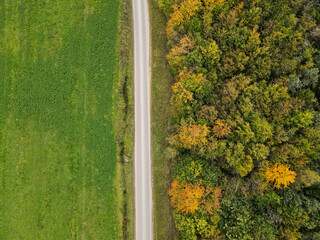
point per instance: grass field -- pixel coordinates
(164, 228)
(57, 146)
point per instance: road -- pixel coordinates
(143, 186)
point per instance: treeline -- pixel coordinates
(245, 118)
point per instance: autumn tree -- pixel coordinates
(181, 14)
(280, 175)
(187, 85)
(221, 129)
(190, 135)
(207, 114)
(186, 197)
(211, 201)
(177, 57)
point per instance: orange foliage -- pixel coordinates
(239, 7)
(211, 200)
(280, 175)
(221, 128)
(190, 136)
(182, 13)
(185, 197)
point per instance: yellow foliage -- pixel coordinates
(192, 81)
(221, 128)
(181, 94)
(182, 13)
(185, 197)
(287, 233)
(178, 54)
(187, 83)
(280, 175)
(211, 4)
(191, 135)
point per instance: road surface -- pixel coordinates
(143, 189)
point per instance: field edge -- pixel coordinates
(124, 121)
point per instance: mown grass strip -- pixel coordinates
(162, 165)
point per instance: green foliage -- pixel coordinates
(307, 177)
(259, 151)
(236, 219)
(262, 129)
(186, 225)
(189, 168)
(207, 114)
(264, 201)
(301, 119)
(263, 229)
(166, 6)
(211, 54)
(312, 207)
(192, 227)
(313, 191)
(237, 159)
(192, 169)
(309, 78)
(244, 133)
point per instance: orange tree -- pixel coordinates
(186, 197)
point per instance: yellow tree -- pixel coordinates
(191, 135)
(187, 84)
(177, 56)
(182, 13)
(186, 197)
(221, 128)
(280, 175)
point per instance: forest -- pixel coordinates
(245, 118)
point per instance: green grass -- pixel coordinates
(125, 119)
(164, 227)
(57, 147)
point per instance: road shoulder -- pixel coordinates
(160, 115)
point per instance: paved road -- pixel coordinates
(143, 189)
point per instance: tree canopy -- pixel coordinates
(245, 116)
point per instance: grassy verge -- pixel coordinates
(58, 160)
(162, 164)
(125, 120)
